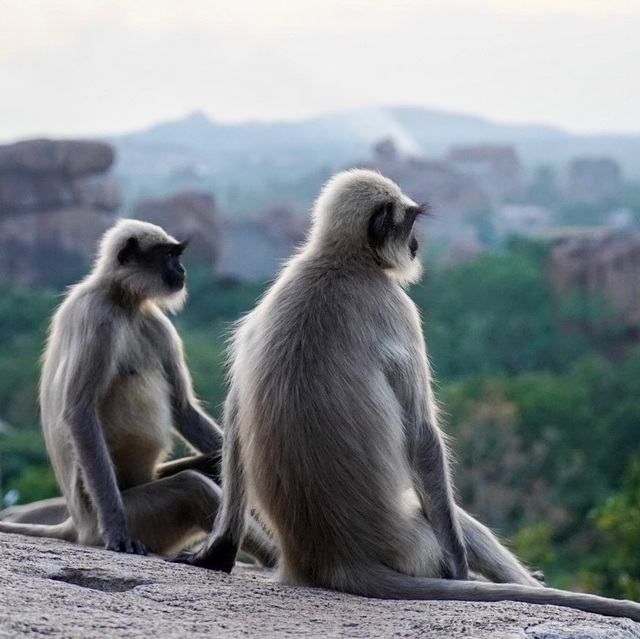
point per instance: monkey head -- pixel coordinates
(364, 214)
(143, 261)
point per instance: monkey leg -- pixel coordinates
(208, 465)
(45, 511)
(488, 557)
(170, 514)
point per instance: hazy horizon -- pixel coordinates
(73, 69)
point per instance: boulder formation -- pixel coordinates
(57, 589)
(188, 215)
(56, 199)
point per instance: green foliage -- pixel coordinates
(212, 301)
(23, 451)
(24, 316)
(616, 569)
(35, 483)
(532, 545)
(495, 315)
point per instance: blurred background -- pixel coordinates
(519, 122)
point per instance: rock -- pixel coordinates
(56, 200)
(188, 215)
(60, 590)
(39, 249)
(43, 175)
(68, 157)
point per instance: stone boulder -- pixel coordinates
(41, 175)
(55, 589)
(189, 215)
(56, 199)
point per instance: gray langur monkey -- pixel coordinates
(114, 384)
(331, 427)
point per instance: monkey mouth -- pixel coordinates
(413, 247)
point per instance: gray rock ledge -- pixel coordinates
(54, 589)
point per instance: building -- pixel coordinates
(496, 169)
(594, 180)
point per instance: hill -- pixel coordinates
(246, 165)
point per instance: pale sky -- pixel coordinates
(93, 67)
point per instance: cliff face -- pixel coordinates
(60, 590)
(56, 199)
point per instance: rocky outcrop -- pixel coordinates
(60, 590)
(603, 267)
(56, 199)
(189, 215)
(43, 175)
(256, 249)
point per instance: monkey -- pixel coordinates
(113, 386)
(332, 430)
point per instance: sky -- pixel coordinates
(72, 68)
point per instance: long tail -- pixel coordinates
(65, 531)
(45, 511)
(383, 583)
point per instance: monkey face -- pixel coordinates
(159, 262)
(173, 273)
(391, 233)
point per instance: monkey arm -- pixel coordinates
(89, 376)
(197, 428)
(99, 477)
(427, 456)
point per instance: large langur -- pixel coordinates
(331, 428)
(114, 384)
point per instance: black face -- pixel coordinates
(162, 259)
(383, 230)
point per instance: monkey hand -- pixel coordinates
(218, 554)
(129, 545)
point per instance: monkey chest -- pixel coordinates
(138, 407)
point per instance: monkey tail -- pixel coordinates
(65, 530)
(381, 582)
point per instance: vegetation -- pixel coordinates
(543, 417)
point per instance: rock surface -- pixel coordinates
(56, 200)
(56, 589)
(187, 215)
(40, 175)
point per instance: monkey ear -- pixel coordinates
(379, 224)
(182, 246)
(130, 249)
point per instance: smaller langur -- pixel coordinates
(114, 384)
(331, 427)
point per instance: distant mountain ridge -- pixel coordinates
(431, 130)
(200, 152)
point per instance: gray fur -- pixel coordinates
(114, 384)
(331, 427)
